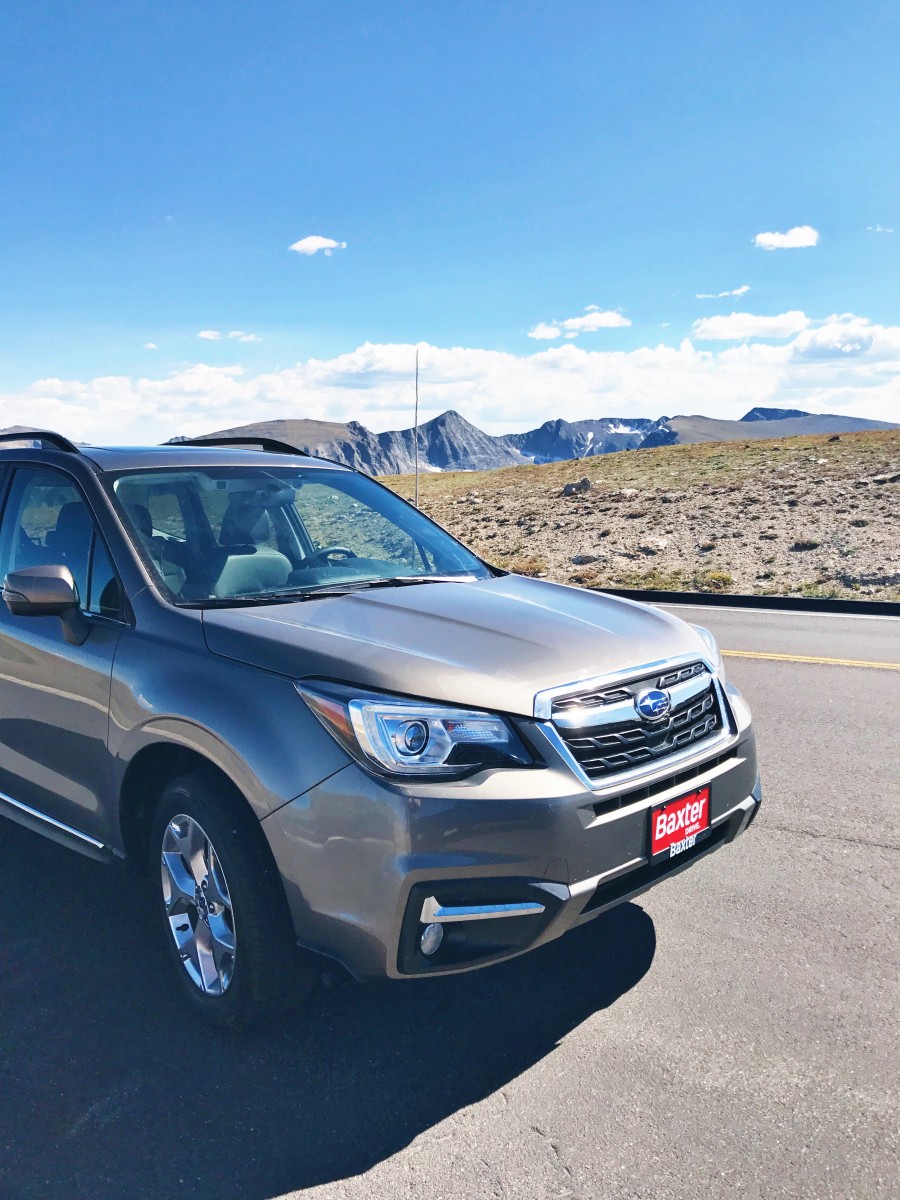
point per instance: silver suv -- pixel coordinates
(321, 721)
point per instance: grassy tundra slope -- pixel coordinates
(812, 516)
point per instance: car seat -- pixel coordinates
(251, 565)
(173, 574)
(69, 544)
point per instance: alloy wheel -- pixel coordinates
(198, 905)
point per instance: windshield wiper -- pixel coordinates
(362, 585)
(402, 580)
(323, 591)
(236, 601)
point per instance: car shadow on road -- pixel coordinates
(109, 1089)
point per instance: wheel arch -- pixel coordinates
(148, 774)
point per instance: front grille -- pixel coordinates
(608, 747)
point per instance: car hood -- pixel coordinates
(490, 643)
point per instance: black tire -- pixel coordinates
(269, 976)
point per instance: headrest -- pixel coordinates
(140, 514)
(245, 524)
(73, 520)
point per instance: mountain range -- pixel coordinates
(451, 443)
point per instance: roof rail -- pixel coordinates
(56, 440)
(267, 444)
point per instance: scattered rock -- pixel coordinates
(572, 489)
(622, 536)
(834, 438)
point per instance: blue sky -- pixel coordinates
(494, 169)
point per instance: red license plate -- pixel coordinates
(675, 826)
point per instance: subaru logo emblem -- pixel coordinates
(653, 704)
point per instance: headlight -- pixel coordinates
(413, 737)
(715, 654)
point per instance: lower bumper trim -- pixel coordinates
(432, 912)
(532, 911)
(724, 829)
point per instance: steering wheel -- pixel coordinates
(326, 552)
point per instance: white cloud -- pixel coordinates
(238, 335)
(797, 238)
(571, 327)
(594, 319)
(543, 332)
(739, 326)
(738, 291)
(840, 337)
(844, 363)
(879, 229)
(150, 346)
(314, 243)
(210, 335)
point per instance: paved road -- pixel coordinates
(734, 1034)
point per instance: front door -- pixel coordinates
(54, 697)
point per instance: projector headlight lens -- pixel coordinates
(413, 737)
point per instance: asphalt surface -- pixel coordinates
(733, 1034)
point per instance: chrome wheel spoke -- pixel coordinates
(179, 894)
(206, 961)
(222, 946)
(217, 888)
(194, 845)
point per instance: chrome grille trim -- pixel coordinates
(624, 710)
(545, 700)
(611, 782)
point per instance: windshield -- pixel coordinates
(254, 534)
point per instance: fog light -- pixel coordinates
(431, 938)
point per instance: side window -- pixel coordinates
(46, 522)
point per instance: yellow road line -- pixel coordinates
(803, 658)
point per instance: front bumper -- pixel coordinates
(505, 862)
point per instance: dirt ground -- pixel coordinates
(811, 516)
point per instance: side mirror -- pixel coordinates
(47, 592)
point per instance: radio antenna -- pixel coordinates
(416, 428)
